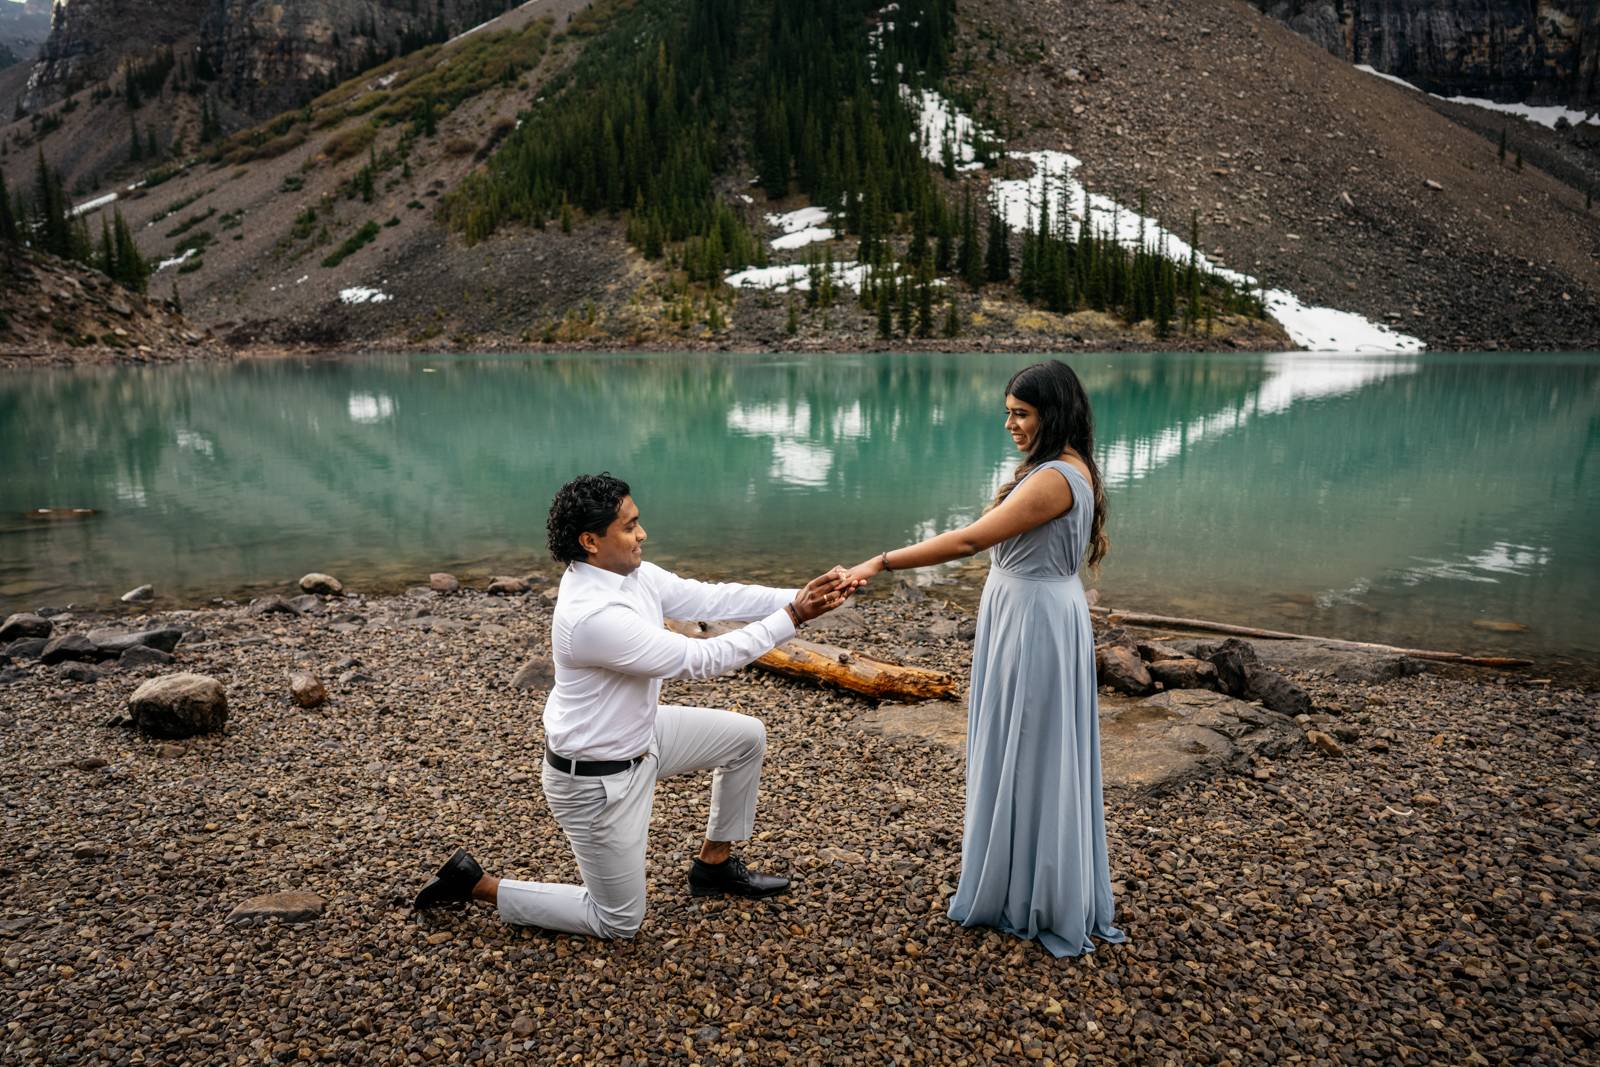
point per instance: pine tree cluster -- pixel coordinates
(45, 221)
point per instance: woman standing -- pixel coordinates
(1033, 851)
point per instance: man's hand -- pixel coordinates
(824, 593)
(866, 570)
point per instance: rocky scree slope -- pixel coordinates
(49, 304)
(1305, 172)
(1546, 52)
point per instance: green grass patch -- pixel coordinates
(353, 244)
(190, 223)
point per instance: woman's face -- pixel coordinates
(1022, 423)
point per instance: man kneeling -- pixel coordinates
(607, 740)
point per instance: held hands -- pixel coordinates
(824, 593)
(865, 571)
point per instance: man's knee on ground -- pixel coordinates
(621, 924)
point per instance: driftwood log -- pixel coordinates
(830, 666)
(1134, 618)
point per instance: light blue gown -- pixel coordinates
(1033, 852)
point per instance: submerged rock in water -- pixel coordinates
(139, 595)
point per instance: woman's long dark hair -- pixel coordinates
(1065, 421)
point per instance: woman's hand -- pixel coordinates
(824, 593)
(864, 572)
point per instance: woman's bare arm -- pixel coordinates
(1033, 503)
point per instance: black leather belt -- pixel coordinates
(596, 769)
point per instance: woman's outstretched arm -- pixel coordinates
(1033, 503)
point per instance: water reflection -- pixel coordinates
(1384, 497)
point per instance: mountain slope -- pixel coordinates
(1302, 168)
(1303, 172)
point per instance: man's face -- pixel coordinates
(620, 549)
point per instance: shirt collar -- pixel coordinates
(597, 576)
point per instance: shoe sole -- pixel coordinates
(696, 891)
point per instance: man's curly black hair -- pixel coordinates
(587, 504)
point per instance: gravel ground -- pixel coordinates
(1429, 897)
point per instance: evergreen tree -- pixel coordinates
(9, 233)
(885, 316)
(131, 269)
(135, 142)
(952, 321)
(1502, 146)
(925, 303)
(1519, 161)
(997, 260)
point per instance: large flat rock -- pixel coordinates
(1149, 744)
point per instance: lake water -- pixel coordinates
(1432, 501)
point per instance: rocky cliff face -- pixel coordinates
(1541, 51)
(23, 28)
(266, 55)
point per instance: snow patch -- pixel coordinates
(941, 124)
(796, 277)
(1318, 329)
(177, 260)
(1543, 115)
(801, 228)
(95, 204)
(362, 295)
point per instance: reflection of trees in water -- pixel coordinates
(263, 470)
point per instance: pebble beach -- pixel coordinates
(1428, 893)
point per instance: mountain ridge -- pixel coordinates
(1335, 206)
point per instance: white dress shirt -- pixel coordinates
(611, 652)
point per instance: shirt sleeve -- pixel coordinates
(619, 639)
(685, 598)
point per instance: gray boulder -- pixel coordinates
(1278, 692)
(77, 672)
(25, 624)
(1121, 668)
(26, 648)
(1184, 672)
(505, 586)
(441, 582)
(307, 604)
(1233, 660)
(179, 705)
(271, 605)
(321, 584)
(116, 642)
(73, 647)
(144, 656)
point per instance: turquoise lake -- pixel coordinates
(1439, 501)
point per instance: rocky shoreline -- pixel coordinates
(1420, 888)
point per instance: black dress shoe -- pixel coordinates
(453, 884)
(732, 878)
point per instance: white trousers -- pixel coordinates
(607, 820)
